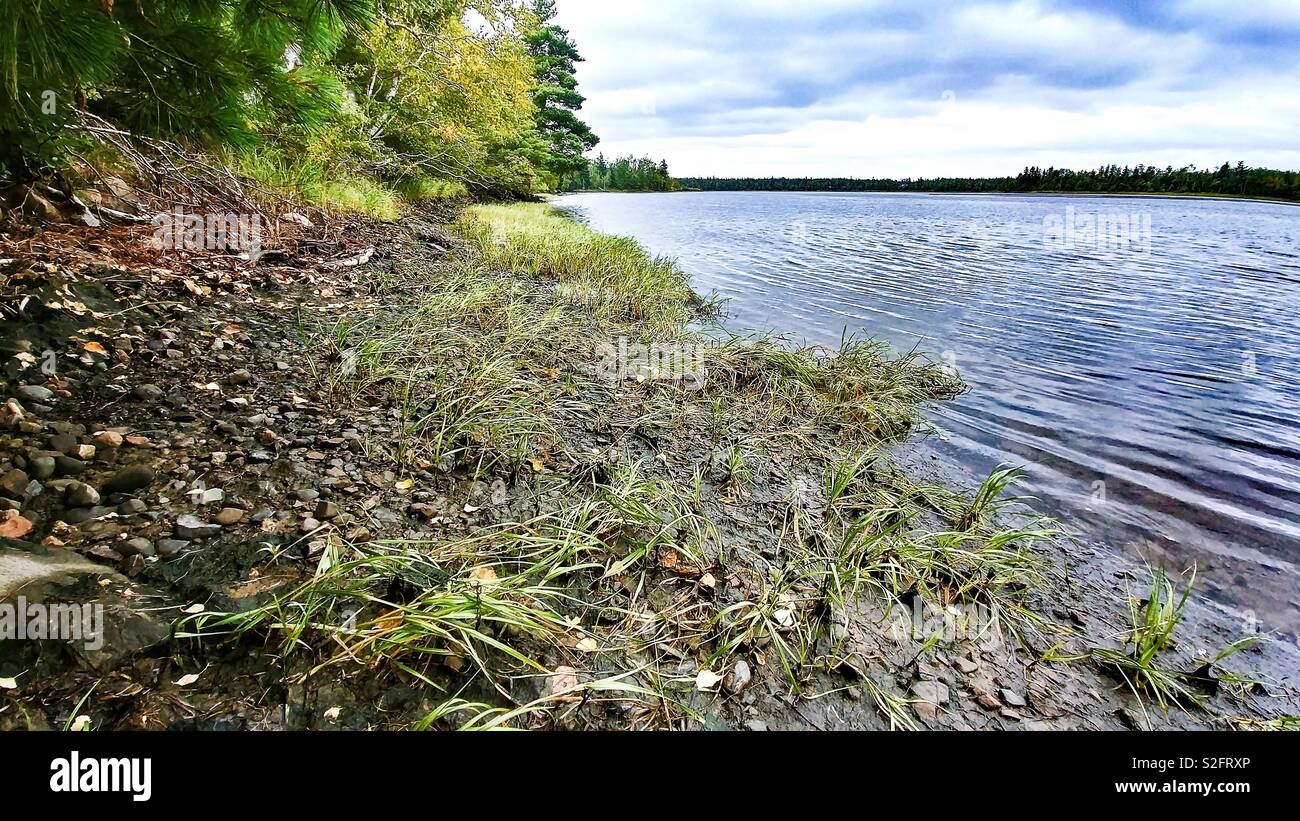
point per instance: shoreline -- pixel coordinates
(1081, 194)
(421, 450)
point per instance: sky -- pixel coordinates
(908, 88)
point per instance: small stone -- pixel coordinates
(36, 393)
(208, 496)
(756, 726)
(108, 439)
(138, 546)
(326, 510)
(42, 466)
(738, 678)
(309, 525)
(63, 442)
(1012, 698)
(989, 701)
(306, 494)
(965, 665)
(81, 494)
(425, 511)
(239, 377)
(129, 478)
(192, 527)
(108, 554)
(930, 696)
(84, 452)
(14, 526)
(229, 516)
(14, 483)
(170, 547)
(149, 393)
(131, 507)
(67, 466)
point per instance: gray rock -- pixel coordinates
(929, 696)
(36, 393)
(326, 510)
(131, 507)
(149, 393)
(129, 478)
(63, 442)
(67, 466)
(192, 527)
(239, 377)
(42, 466)
(756, 726)
(170, 547)
(306, 494)
(1011, 698)
(138, 546)
(85, 514)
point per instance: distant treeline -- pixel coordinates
(1239, 180)
(623, 174)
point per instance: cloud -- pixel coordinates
(924, 88)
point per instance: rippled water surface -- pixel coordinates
(1150, 388)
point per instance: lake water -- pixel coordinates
(1146, 376)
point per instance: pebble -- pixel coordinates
(309, 524)
(148, 393)
(306, 494)
(229, 516)
(14, 483)
(239, 377)
(170, 547)
(989, 701)
(129, 478)
(36, 393)
(138, 546)
(1012, 698)
(192, 527)
(108, 439)
(14, 526)
(81, 494)
(965, 665)
(67, 466)
(63, 442)
(930, 695)
(738, 678)
(131, 507)
(326, 510)
(42, 466)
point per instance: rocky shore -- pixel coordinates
(175, 448)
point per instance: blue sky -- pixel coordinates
(917, 88)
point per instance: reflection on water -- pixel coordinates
(1150, 384)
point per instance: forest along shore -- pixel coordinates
(473, 469)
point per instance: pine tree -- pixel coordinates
(556, 95)
(208, 70)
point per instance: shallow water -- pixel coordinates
(1148, 381)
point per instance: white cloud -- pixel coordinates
(919, 89)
